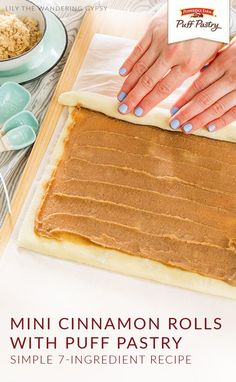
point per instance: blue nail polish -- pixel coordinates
(205, 67)
(138, 111)
(123, 108)
(188, 127)
(121, 96)
(211, 128)
(175, 124)
(174, 110)
(122, 71)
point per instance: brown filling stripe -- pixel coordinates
(147, 192)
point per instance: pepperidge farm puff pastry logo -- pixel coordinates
(197, 12)
(204, 21)
(195, 19)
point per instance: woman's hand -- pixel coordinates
(211, 99)
(155, 69)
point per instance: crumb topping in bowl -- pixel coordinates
(17, 35)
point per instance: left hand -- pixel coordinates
(211, 99)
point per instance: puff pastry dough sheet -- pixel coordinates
(93, 254)
(158, 117)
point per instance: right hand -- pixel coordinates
(155, 68)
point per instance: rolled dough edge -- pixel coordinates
(158, 117)
(109, 259)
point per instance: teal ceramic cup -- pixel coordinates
(20, 127)
(17, 139)
(25, 117)
(13, 99)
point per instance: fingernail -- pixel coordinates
(123, 108)
(138, 111)
(205, 67)
(122, 71)
(174, 124)
(174, 110)
(211, 128)
(187, 128)
(121, 96)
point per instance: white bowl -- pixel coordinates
(28, 9)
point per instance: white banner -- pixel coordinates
(189, 19)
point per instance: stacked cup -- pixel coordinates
(19, 126)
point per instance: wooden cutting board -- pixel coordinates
(112, 22)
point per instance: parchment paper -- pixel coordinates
(99, 73)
